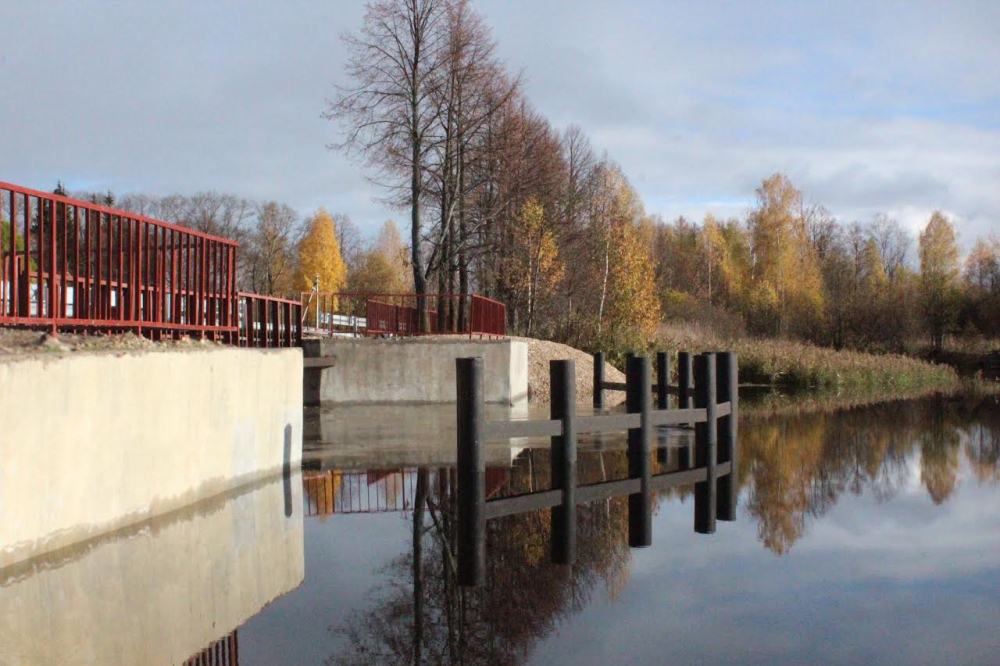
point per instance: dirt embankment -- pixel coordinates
(540, 352)
(24, 342)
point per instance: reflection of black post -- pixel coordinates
(728, 374)
(705, 447)
(562, 405)
(471, 471)
(662, 379)
(599, 380)
(638, 399)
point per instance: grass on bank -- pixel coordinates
(799, 365)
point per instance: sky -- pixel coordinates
(869, 107)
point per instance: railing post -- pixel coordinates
(728, 374)
(706, 441)
(639, 399)
(562, 387)
(662, 379)
(599, 380)
(471, 490)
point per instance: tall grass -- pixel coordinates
(800, 365)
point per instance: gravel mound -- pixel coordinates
(540, 352)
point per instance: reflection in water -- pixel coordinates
(171, 588)
(794, 469)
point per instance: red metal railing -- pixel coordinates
(73, 265)
(368, 314)
(269, 321)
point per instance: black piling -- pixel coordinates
(562, 407)
(706, 444)
(727, 371)
(599, 380)
(662, 379)
(471, 492)
(684, 379)
(685, 383)
(638, 399)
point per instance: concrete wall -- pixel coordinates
(412, 370)
(92, 442)
(161, 591)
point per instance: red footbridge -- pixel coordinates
(76, 266)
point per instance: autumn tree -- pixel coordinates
(320, 266)
(537, 266)
(383, 268)
(786, 289)
(939, 273)
(981, 279)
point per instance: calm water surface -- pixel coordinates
(865, 535)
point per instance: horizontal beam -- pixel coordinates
(600, 423)
(544, 499)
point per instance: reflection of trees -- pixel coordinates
(422, 615)
(796, 466)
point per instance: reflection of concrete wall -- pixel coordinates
(160, 592)
(413, 370)
(378, 436)
(92, 442)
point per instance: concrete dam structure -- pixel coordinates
(98, 441)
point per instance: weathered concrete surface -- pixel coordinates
(90, 443)
(160, 591)
(412, 370)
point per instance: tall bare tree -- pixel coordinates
(393, 66)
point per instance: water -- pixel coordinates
(865, 535)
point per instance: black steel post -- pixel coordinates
(471, 490)
(639, 399)
(562, 407)
(599, 380)
(684, 379)
(706, 443)
(727, 369)
(662, 379)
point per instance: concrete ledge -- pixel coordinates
(412, 370)
(90, 443)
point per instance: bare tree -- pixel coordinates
(269, 251)
(393, 66)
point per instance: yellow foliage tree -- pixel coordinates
(319, 258)
(538, 268)
(787, 289)
(633, 311)
(939, 270)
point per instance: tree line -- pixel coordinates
(502, 203)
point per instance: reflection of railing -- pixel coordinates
(715, 399)
(223, 652)
(372, 314)
(374, 490)
(268, 321)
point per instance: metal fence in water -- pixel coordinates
(714, 415)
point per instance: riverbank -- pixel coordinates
(798, 365)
